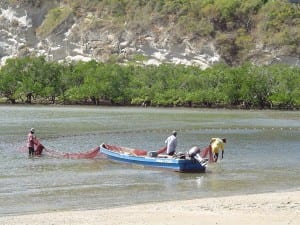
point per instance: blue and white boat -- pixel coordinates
(152, 159)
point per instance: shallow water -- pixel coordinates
(262, 155)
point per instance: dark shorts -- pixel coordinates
(171, 153)
(216, 154)
(31, 150)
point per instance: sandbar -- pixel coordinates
(269, 208)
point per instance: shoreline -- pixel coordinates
(221, 107)
(268, 208)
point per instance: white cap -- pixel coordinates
(32, 130)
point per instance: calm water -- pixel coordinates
(262, 155)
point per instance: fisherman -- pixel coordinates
(217, 144)
(31, 141)
(171, 143)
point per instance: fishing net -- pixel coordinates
(162, 150)
(73, 155)
(207, 153)
(132, 151)
(39, 149)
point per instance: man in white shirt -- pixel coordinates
(171, 142)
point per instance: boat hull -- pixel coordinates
(179, 165)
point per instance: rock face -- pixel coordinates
(72, 40)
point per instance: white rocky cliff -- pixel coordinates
(71, 41)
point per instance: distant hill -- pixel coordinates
(191, 32)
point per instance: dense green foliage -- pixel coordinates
(34, 80)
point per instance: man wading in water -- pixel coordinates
(30, 142)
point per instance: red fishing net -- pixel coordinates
(73, 155)
(133, 151)
(39, 149)
(207, 153)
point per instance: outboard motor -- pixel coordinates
(194, 153)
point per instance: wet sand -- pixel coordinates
(270, 208)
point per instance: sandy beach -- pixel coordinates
(270, 208)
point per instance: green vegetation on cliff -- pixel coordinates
(235, 26)
(54, 18)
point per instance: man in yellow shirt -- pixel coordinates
(217, 144)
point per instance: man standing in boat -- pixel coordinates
(171, 143)
(31, 141)
(217, 144)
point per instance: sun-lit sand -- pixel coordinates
(271, 208)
